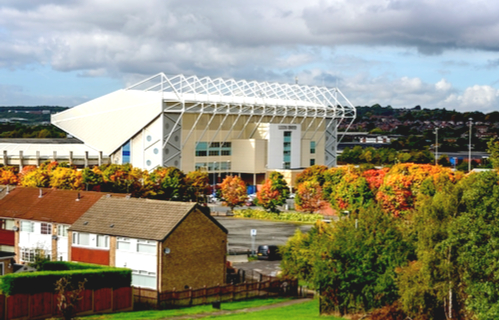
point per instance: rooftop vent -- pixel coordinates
(40, 193)
(78, 197)
(85, 223)
(111, 225)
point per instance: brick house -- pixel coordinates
(37, 219)
(166, 244)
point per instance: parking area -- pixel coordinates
(267, 232)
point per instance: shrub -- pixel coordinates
(44, 281)
(284, 216)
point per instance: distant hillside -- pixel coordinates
(28, 115)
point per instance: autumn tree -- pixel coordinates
(66, 178)
(493, 151)
(309, 197)
(273, 193)
(8, 176)
(92, 178)
(168, 183)
(313, 173)
(234, 192)
(122, 178)
(346, 188)
(197, 186)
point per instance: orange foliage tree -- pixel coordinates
(273, 193)
(309, 198)
(403, 183)
(234, 192)
(8, 176)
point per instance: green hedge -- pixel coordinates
(284, 216)
(44, 281)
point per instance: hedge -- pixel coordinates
(44, 281)
(284, 216)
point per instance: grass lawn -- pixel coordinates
(307, 310)
(158, 314)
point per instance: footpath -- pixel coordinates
(226, 312)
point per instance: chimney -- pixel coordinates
(7, 192)
(78, 197)
(40, 195)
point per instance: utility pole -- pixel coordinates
(470, 142)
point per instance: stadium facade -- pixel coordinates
(223, 126)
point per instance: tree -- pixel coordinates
(309, 197)
(493, 151)
(234, 192)
(68, 295)
(313, 173)
(346, 188)
(168, 183)
(66, 178)
(274, 192)
(197, 186)
(8, 176)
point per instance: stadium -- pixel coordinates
(223, 126)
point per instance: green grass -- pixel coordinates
(158, 314)
(306, 310)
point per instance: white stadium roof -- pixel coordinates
(106, 123)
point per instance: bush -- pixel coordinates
(44, 281)
(284, 216)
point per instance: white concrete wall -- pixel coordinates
(35, 240)
(275, 146)
(137, 261)
(146, 146)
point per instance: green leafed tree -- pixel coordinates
(273, 193)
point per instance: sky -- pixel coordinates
(402, 53)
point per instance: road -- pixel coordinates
(268, 232)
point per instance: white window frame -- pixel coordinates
(31, 227)
(120, 240)
(77, 239)
(146, 243)
(143, 273)
(103, 237)
(62, 230)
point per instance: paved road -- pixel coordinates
(268, 232)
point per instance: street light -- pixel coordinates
(436, 160)
(470, 141)
(213, 192)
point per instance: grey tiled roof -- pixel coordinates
(133, 218)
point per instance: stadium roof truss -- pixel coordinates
(256, 99)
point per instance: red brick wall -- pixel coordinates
(90, 255)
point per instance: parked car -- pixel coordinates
(268, 252)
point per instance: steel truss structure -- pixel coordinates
(283, 103)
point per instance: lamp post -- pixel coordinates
(470, 142)
(213, 192)
(436, 160)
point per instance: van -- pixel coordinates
(268, 252)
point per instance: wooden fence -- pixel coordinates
(44, 304)
(267, 287)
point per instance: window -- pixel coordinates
(123, 244)
(313, 147)
(102, 241)
(126, 153)
(287, 136)
(200, 166)
(286, 165)
(141, 278)
(9, 224)
(146, 246)
(312, 162)
(27, 226)
(29, 254)
(82, 239)
(46, 228)
(201, 149)
(62, 231)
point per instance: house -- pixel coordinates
(166, 244)
(36, 220)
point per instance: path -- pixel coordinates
(226, 312)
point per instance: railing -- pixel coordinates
(267, 287)
(44, 304)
